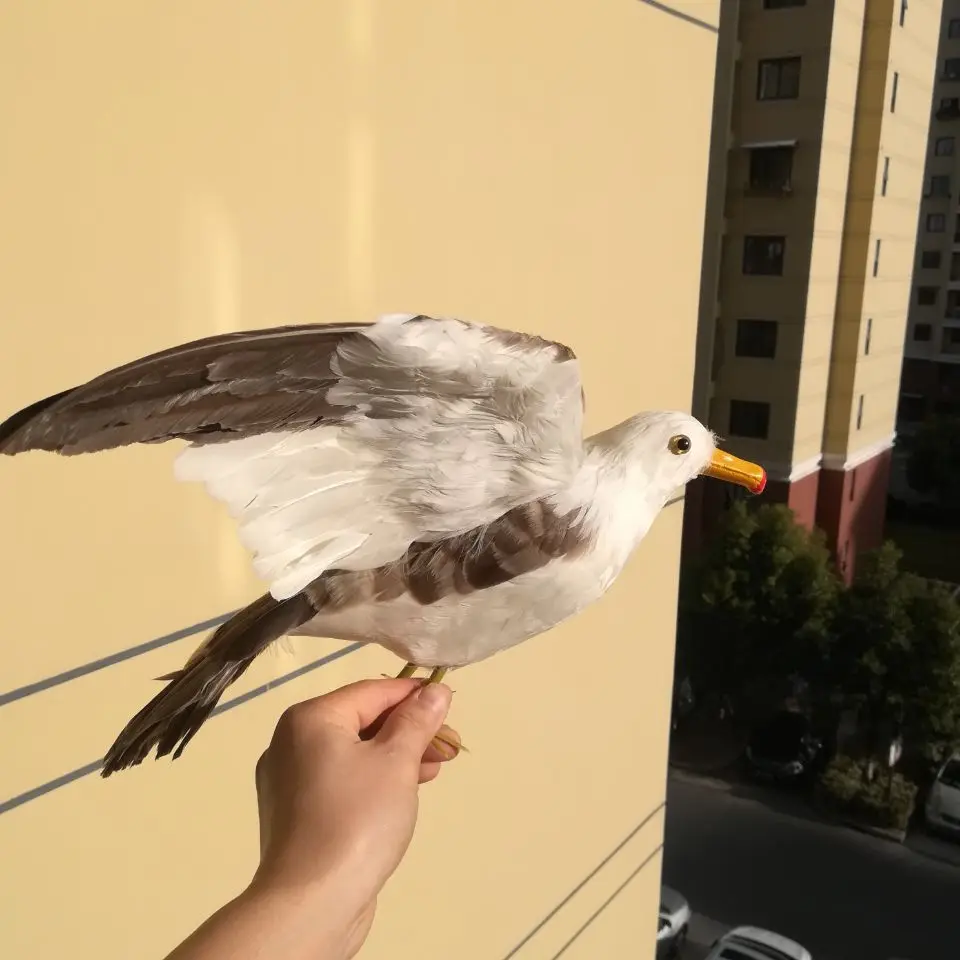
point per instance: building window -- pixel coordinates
(876, 257)
(953, 305)
(930, 260)
(949, 108)
(939, 185)
(763, 256)
(936, 222)
(860, 411)
(922, 332)
(893, 91)
(778, 79)
(903, 11)
(954, 267)
(953, 29)
(886, 175)
(912, 408)
(951, 68)
(756, 338)
(927, 296)
(950, 340)
(749, 418)
(781, 4)
(943, 146)
(867, 337)
(771, 169)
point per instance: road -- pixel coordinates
(844, 895)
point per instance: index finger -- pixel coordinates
(358, 705)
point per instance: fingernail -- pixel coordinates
(435, 696)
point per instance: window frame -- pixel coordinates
(940, 180)
(953, 28)
(755, 407)
(780, 62)
(859, 420)
(931, 266)
(930, 218)
(768, 238)
(952, 72)
(876, 256)
(937, 152)
(932, 298)
(742, 338)
(894, 87)
(756, 159)
(928, 332)
(867, 337)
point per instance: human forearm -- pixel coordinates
(267, 921)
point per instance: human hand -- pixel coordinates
(337, 793)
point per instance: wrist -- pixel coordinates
(315, 915)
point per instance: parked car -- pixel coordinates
(784, 749)
(752, 943)
(673, 923)
(942, 809)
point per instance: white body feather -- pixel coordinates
(356, 495)
(492, 428)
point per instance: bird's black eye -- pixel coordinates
(679, 444)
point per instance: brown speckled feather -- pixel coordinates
(522, 540)
(218, 388)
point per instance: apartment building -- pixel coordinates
(168, 174)
(815, 183)
(931, 365)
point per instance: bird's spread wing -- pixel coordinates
(339, 446)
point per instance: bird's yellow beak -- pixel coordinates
(725, 466)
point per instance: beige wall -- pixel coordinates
(901, 135)
(169, 173)
(831, 219)
(827, 39)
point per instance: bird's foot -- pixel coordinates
(446, 741)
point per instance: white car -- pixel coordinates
(672, 922)
(752, 943)
(943, 804)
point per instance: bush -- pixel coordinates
(845, 791)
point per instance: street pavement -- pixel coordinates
(746, 856)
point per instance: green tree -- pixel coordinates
(933, 462)
(759, 603)
(896, 656)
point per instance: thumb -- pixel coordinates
(414, 722)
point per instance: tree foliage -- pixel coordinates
(760, 602)
(897, 650)
(933, 462)
(764, 603)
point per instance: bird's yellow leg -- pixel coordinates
(446, 736)
(444, 741)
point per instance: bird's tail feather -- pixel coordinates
(170, 720)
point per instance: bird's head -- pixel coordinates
(669, 449)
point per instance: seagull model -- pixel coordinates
(418, 483)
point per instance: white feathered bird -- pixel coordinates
(418, 483)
